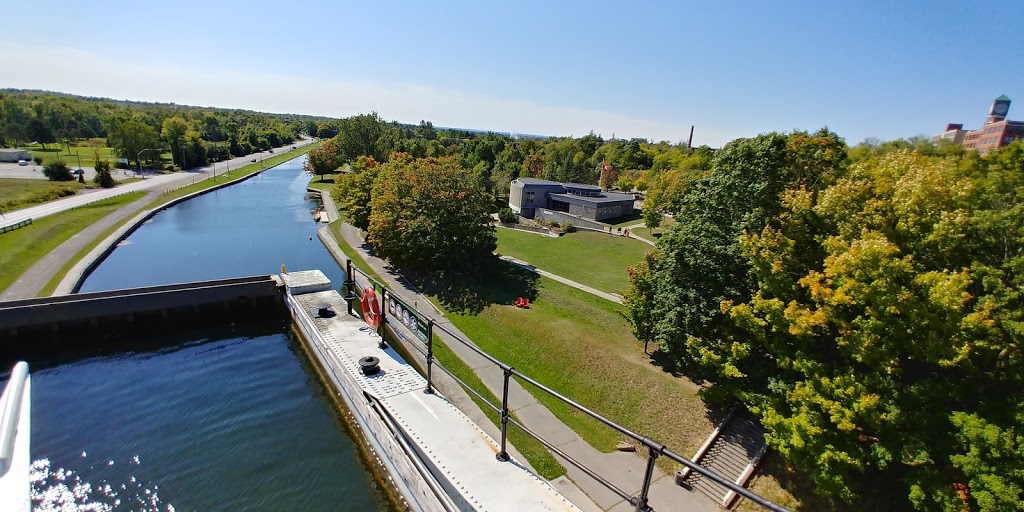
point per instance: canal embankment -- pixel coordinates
(72, 281)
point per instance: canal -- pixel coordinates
(228, 418)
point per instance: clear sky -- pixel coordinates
(884, 69)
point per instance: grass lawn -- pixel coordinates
(84, 152)
(22, 193)
(21, 248)
(325, 185)
(581, 346)
(654, 234)
(594, 259)
(349, 251)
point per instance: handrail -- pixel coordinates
(11, 413)
(385, 415)
(655, 449)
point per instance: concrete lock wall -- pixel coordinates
(69, 318)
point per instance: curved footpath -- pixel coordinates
(625, 470)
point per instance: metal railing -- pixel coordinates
(15, 225)
(11, 413)
(654, 448)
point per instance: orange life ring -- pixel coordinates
(371, 308)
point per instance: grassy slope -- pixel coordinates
(581, 346)
(22, 193)
(594, 259)
(21, 248)
(654, 234)
(325, 186)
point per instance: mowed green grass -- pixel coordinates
(22, 193)
(84, 152)
(595, 259)
(21, 248)
(326, 185)
(654, 234)
(581, 346)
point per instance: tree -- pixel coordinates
(324, 159)
(58, 171)
(430, 215)
(639, 298)
(130, 137)
(872, 315)
(354, 190)
(195, 149)
(364, 135)
(103, 177)
(173, 132)
(16, 119)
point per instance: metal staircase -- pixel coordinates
(733, 451)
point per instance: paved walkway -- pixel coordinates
(625, 470)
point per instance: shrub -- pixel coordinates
(58, 171)
(568, 227)
(103, 177)
(507, 216)
(554, 225)
(38, 160)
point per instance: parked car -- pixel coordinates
(22, 162)
(76, 172)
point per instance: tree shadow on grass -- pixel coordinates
(799, 491)
(498, 282)
(663, 360)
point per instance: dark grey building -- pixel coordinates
(526, 195)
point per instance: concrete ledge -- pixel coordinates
(53, 311)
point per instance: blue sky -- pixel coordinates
(635, 69)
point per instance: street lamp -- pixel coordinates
(138, 157)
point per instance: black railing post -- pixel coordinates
(654, 449)
(383, 316)
(430, 353)
(503, 454)
(350, 285)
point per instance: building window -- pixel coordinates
(529, 197)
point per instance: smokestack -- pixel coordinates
(689, 143)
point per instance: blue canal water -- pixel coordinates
(228, 418)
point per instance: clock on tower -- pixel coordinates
(1000, 106)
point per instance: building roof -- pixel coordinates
(1003, 98)
(606, 197)
(537, 181)
(13, 150)
(582, 186)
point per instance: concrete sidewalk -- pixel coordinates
(624, 470)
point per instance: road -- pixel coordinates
(151, 182)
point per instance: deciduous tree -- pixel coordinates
(430, 215)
